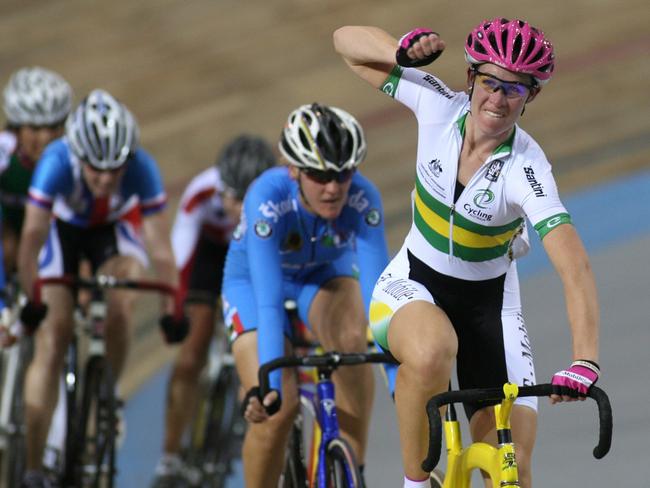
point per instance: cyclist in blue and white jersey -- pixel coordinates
(208, 212)
(95, 195)
(312, 232)
(452, 291)
(36, 102)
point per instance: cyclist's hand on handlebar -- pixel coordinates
(175, 330)
(31, 316)
(419, 48)
(256, 411)
(573, 383)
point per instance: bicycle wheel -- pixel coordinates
(217, 432)
(437, 478)
(15, 448)
(294, 474)
(341, 466)
(95, 452)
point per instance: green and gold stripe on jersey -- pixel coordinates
(471, 241)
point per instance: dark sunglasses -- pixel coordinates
(108, 170)
(324, 177)
(511, 89)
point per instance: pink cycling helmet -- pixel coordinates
(512, 44)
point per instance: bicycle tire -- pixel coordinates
(294, 474)
(437, 478)
(217, 432)
(97, 432)
(71, 381)
(15, 451)
(341, 466)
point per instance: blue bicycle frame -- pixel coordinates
(322, 402)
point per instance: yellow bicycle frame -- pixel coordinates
(499, 462)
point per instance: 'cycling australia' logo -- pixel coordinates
(483, 198)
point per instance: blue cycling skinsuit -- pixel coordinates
(281, 251)
(84, 224)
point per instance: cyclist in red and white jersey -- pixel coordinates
(207, 215)
(452, 293)
(36, 102)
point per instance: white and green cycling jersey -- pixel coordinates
(476, 237)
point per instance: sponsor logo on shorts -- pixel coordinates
(373, 217)
(400, 289)
(263, 229)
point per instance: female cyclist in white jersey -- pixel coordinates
(451, 293)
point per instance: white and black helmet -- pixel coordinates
(37, 96)
(102, 131)
(323, 138)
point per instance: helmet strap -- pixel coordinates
(302, 193)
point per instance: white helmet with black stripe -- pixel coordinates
(323, 138)
(36, 96)
(102, 132)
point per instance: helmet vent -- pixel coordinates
(516, 48)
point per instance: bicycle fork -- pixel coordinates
(460, 463)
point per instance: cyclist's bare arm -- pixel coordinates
(34, 234)
(370, 51)
(157, 240)
(571, 262)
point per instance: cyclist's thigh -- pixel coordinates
(201, 278)
(404, 316)
(336, 313)
(332, 283)
(240, 309)
(200, 283)
(202, 318)
(244, 350)
(54, 334)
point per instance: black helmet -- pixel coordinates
(323, 138)
(242, 160)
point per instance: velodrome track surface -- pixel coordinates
(611, 221)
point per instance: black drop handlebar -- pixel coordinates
(330, 360)
(103, 282)
(492, 394)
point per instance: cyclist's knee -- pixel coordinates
(430, 360)
(51, 346)
(188, 366)
(352, 338)
(279, 424)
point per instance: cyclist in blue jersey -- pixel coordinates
(95, 195)
(36, 102)
(312, 232)
(451, 294)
